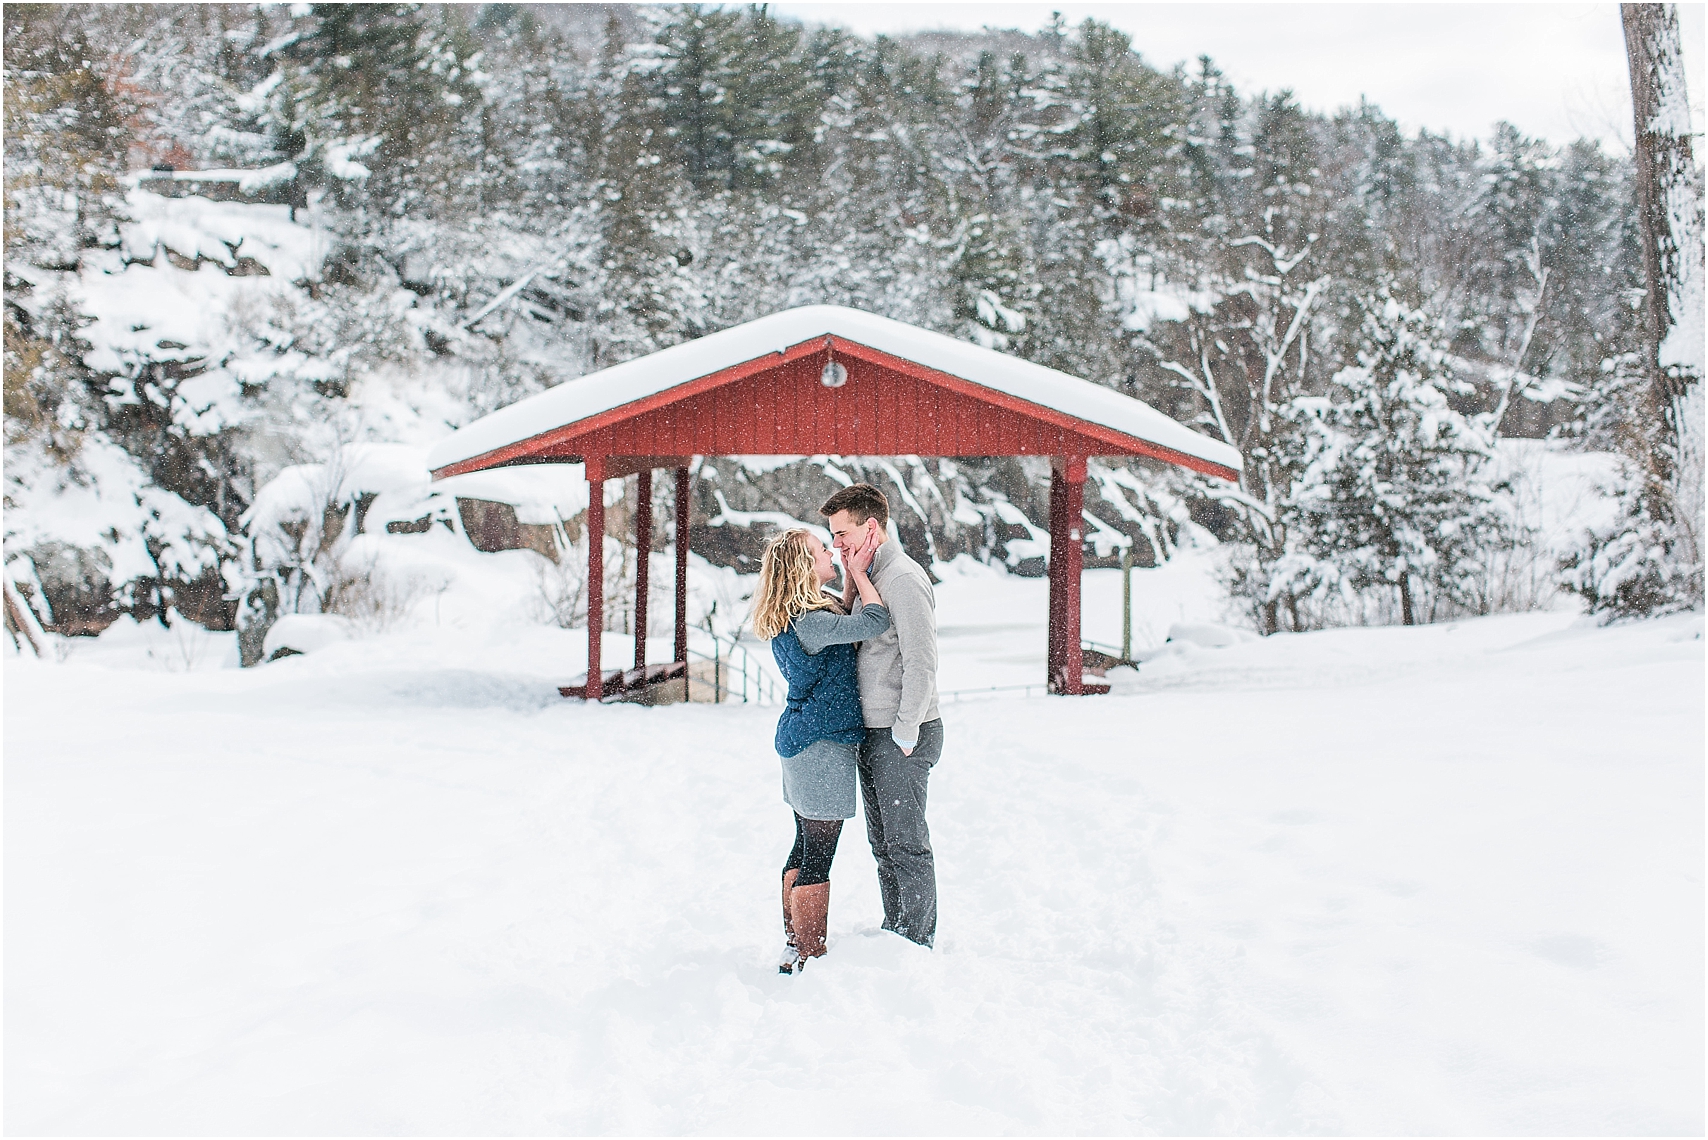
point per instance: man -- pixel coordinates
(898, 701)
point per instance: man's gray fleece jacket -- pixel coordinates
(898, 668)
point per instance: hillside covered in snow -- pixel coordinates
(252, 248)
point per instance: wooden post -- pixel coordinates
(1053, 653)
(1127, 604)
(643, 556)
(595, 577)
(682, 565)
(1067, 557)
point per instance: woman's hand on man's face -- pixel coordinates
(859, 560)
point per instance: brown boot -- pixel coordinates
(809, 906)
(789, 877)
(790, 955)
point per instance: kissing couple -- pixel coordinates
(861, 710)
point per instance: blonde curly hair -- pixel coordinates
(788, 584)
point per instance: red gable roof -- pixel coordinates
(777, 403)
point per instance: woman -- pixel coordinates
(819, 732)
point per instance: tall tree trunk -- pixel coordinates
(1669, 207)
(1405, 600)
(1669, 201)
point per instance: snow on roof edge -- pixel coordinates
(668, 368)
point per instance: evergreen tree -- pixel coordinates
(70, 123)
(1370, 178)
(632, 189)
(1119, 111)
(734, 93)
(1393, 487)
(373, 95)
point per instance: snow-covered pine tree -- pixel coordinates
(993, 265)
(1101, 121)
(1393, 489)
(69, 127)
(735, 95)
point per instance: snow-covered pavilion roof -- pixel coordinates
(655, 374)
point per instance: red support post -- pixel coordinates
(643, 556)
(682, 565)
(595, 578)
(1053, 655)
(1067, 559)
(1073, 653)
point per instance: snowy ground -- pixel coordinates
(1439, 880)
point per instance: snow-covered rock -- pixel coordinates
(306, 633)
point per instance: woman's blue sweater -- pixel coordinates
(816, 654)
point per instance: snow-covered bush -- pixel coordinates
(296, 528)
(373, 597)
(1633, 569)
(561, 596)
(1522, 573)
(302, 554)
(1649, 559)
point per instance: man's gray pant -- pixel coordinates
(892, 784)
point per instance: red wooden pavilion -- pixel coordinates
(824, 380)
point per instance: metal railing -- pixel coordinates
(1037, 689)
(738, 675)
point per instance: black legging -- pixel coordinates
(815, 847)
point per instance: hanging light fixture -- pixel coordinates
(834, 375)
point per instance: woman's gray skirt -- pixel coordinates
(818, 781)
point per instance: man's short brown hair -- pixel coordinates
(862, 501)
